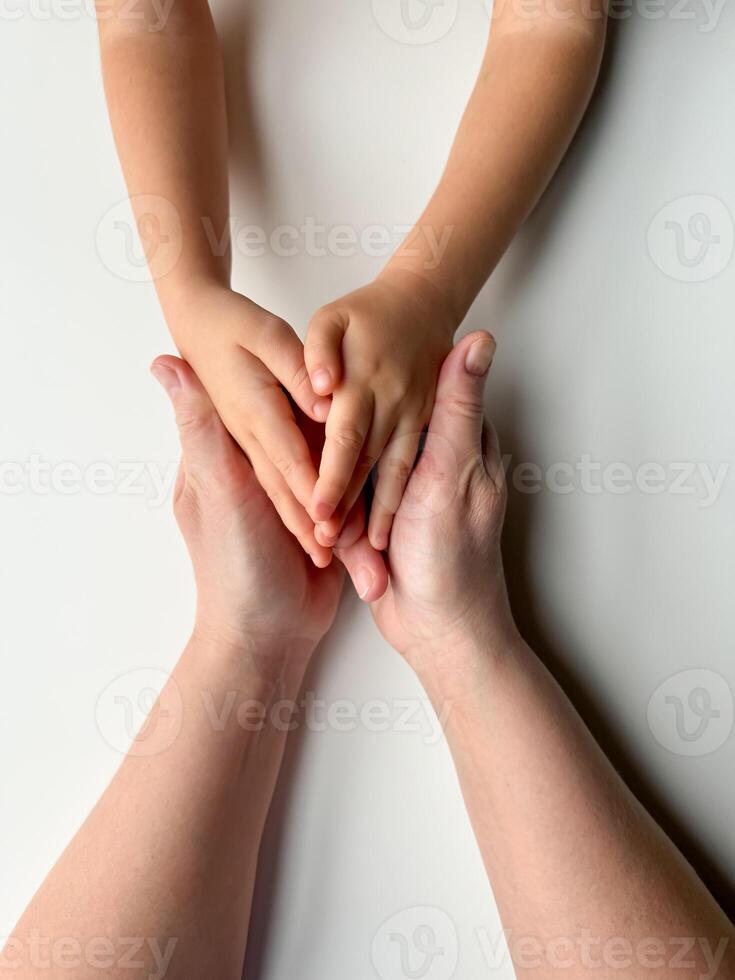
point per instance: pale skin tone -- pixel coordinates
(371, 358)
(170, 851)
(379, 349)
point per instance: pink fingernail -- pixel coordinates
(364, 581)
(323, 511)
(321, 409)
(479, 357)
(166, 377)
(321, 380)
(328, 537)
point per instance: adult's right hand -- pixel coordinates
(446, 608)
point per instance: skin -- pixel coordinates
(165, 90)
(379, 349)
(170, 851)
(376, 352)
(587, 884)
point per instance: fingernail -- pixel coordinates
(480, 356)
(321, 409)
(323, 511)
(167, 377)
(364, 580)
(328, 537)
(320, 561)
(320, 380)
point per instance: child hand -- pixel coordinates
(379, 349)
(242, 355)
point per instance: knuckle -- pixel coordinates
(319, 322)
(463, 407)
(299, 378)
(395, 470)
(287, 466)
(275, 495)
(348, 437)
(397, 388)
(274, 334)
(369, 365)
(364, 466)
(188, 418)
(276, 326)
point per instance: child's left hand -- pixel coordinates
(378, 350)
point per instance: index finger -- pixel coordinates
(346, 430)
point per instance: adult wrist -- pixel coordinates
(264, 664)
(460, 669)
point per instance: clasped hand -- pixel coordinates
(445, 596)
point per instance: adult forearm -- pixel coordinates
(583, 876)
(164, 82)
(535, 82)
(169, 853)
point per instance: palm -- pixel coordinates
(246, 562)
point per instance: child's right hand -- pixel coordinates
(243, 354)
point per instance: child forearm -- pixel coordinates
(164, 82)
(166, 94)
(535, 82)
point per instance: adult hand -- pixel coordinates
(253, 580)
(446, 605)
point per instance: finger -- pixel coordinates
(293, 515)
(382, 426)
(346, 430)
(322, 350)
(354, 526)
(280, 349)
(264, 412)
(279, 436)
(202, 433)
(459, 406)
(366, 567)
(394, 470)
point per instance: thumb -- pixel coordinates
(322, 354)
(459, 405)
(201, 432)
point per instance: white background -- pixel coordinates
(607, 349)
